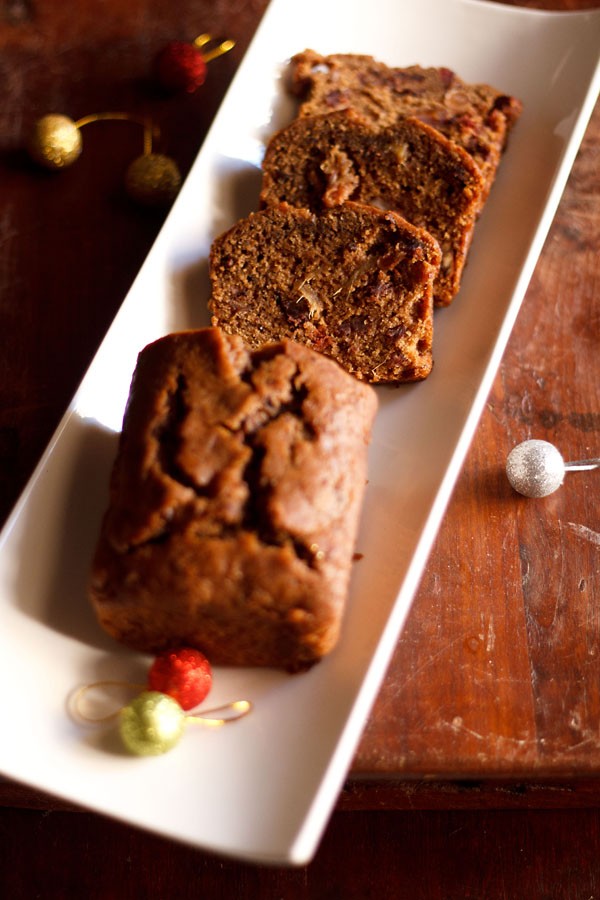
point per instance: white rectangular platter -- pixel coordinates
(263, 789)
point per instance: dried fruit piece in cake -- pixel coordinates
(234, 502)
(321, 161)
(352, 282)
(477, 117)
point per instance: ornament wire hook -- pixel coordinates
(582, 465)
(81, 692)
(220, 715)
(224, 47)
(151, 131)
(214, 718)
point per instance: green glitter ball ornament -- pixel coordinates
(151, 724)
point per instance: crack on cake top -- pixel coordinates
(240, 445)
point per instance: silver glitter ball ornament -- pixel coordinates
(535, 468)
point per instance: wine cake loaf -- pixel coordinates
(234, 501)
(351, 282)
(323, 160)
(477, 117)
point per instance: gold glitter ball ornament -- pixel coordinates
(55, 142)
(153, 179)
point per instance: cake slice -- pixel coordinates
(352, 282)
(321, 161)
(477, 117)
(234, 502)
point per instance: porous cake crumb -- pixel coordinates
(351, 282)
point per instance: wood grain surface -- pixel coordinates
(498, 669)
(484, 742)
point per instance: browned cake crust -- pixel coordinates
(234, 501)
(477, 117)
(352, 282)
(409, 167)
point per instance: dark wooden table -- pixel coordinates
(478, 774)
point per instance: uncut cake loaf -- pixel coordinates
(234, 501)
(321, 161)
(477, 117)
(351, 282)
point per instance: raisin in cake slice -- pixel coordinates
(475, 116)
(321, 161)
(234, 502)
(352, 282)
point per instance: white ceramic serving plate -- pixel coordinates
(263, 788)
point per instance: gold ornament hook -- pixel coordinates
(224, 47)
(153, 722)
(151, 131)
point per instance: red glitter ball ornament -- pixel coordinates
(180, 67)
(183, 674)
